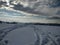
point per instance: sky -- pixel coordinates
(33, 11)
(42, 7)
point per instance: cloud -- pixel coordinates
(39, 7)
(42, 7)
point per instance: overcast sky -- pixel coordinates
(41, 8)
(44, 7)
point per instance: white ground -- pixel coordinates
(26, 35)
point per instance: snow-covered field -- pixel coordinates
(29, 34)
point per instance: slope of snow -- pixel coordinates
(29, 34)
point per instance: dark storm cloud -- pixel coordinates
(40, 7)
(55, 4)
(58, 13)
(2, 3)
(26, 9)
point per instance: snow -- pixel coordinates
(23, 34)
